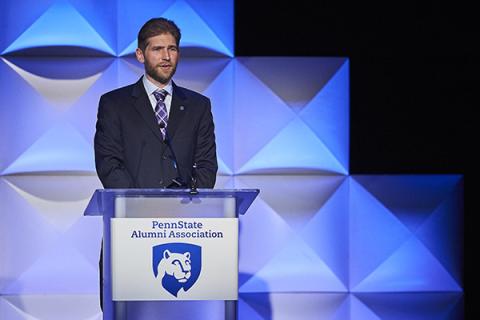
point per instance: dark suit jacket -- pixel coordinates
(129, 148)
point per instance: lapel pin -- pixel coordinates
(182, 108)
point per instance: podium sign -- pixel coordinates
(174, 259)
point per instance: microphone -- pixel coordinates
(176, 182)
(193, 184)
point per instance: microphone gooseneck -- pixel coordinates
(193, 182)
(176, 182)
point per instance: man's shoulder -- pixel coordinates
(189, 93)
(119, 93)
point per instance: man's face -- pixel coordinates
(160, 58)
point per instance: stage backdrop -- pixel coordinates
(317, 243)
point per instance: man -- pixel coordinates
(155, 134)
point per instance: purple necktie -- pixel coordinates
(161, 111)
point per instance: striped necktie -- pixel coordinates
(161, 111)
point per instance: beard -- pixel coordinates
(155, 73)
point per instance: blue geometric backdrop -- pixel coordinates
(336, 246)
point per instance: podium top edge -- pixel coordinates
(98, 204)
(178, 192)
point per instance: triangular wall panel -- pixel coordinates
(60, 149)
(286, 75)
(410, 268)
(374, 233)
(443, 233)
(424, 258)
(296, 268)
(61, 92)
(54, 307)
(413, 306)
(411, 198)
(196, 33)
(19, 16)
(295, 149)
(17, 219)
(133, 15)
(60, 25)
(327, 114)
(327, 235)
(258, 115)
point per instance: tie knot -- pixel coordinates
(160, 94)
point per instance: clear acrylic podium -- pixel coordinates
(161, 203)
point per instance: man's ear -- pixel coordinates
(139, 55)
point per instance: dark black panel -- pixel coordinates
(412, 73)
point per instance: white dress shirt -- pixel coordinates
(150, 88)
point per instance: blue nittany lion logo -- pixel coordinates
(178, 265)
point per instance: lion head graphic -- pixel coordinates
(178, 265)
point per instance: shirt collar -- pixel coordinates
(150, 87)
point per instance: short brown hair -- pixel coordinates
(155, 27)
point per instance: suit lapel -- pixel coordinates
(144, 107)
(178, 110)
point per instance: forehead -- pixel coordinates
(164, 39)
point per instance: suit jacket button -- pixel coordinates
(160, 182)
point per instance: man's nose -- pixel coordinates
(165, 54)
